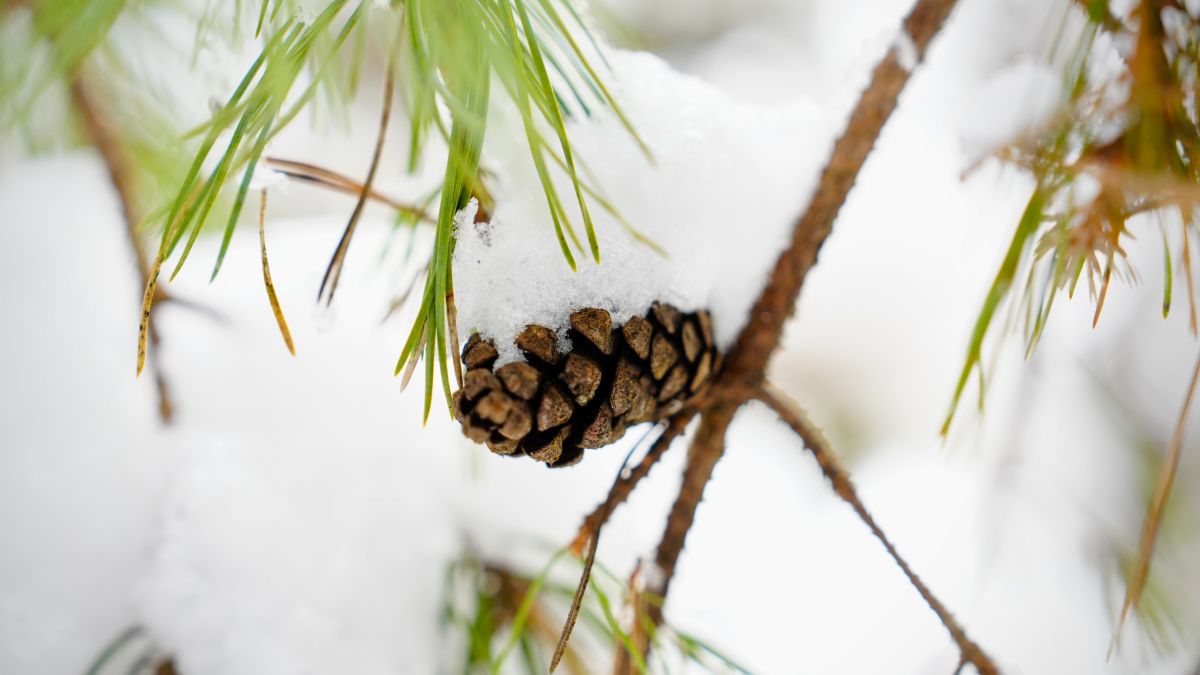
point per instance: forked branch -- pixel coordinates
(746, 365)
(625, 483)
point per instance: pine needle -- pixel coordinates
(577, 600)
(266, 269)
(1155, 512)
(332, 180)
(147, 302)
(333, 271)
(1030, 220)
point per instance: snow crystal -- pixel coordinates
(726, 183)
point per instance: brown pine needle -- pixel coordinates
(576, 601)
(593, 537)
(334, 271)
(332, 180)
(1154, 514)
(1103, 291)
(1186, 263)
(412, 364)
(147, 303)
(266, 269)
(814, 439)
(452, 328)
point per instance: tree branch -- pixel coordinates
(747, 362)
(707, 447)
(796, 418)
(760, 338)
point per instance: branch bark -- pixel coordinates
(760, 338)
(746, 364)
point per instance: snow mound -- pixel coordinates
(726, 183)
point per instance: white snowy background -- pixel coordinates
(298, 519)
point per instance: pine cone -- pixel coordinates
(554, 406)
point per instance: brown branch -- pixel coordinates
(116, 163)
(707, 447)
(760, 338)
(831, 467)
(589, 531)
(747, 362)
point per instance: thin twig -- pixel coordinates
(117, 165)
(334, 271)
(332, 180)
(593, 543)
(625, 483)
(796, 418)
(1154, 513)
(708, 445)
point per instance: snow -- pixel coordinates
(247, 579)
(906, 50)
(727, 182)
(297, 518)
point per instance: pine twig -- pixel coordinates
(760, 338)
(707, 447)
(626, 483)
(796, 418)
(119, 174)
(589, 531)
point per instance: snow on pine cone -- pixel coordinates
(553, 406)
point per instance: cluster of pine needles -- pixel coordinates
(505, 621)
(1121, 158)
(441, 59)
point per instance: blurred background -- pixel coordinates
(295, 517)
